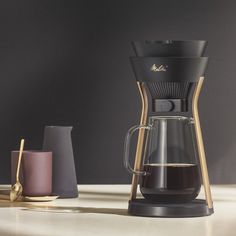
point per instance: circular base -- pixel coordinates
(143, 207)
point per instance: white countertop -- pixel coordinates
(102, 210)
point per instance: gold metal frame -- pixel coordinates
(139, 148)
(200, 145)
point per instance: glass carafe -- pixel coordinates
(169, 171)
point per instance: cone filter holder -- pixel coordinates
(169, 69)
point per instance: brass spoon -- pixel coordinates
(16, 189)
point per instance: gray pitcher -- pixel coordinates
(58, 140)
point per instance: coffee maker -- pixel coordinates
(170, 162)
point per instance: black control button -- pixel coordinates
(169, 105)
(165, 105)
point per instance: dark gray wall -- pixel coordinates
(66, 63)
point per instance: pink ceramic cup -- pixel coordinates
(35, 172)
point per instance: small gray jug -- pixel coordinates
(58, 140)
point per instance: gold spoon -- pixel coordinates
(16, 189)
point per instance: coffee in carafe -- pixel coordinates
(170, 183)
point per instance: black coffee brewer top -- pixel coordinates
(170, 68)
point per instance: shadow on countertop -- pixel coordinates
(61, 209)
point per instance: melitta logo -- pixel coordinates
(159, 68)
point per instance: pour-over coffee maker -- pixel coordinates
(170, 158)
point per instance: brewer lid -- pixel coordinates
(169, 48)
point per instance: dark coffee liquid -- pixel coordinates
(170, 183)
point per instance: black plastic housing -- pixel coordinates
(196, 208)
(168, 69)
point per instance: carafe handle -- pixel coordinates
(128, 137)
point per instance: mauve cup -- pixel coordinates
(35, 172)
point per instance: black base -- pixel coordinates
(143, 207)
